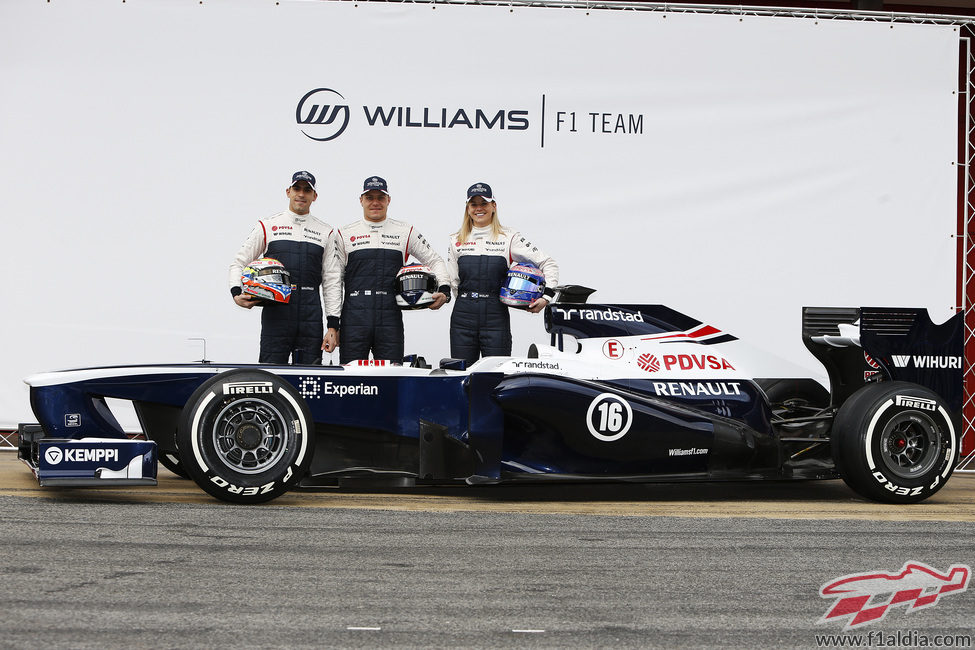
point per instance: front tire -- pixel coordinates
(894, 442)
(245, 436)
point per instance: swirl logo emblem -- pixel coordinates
(320, 116)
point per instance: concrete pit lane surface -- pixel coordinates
(640, 566)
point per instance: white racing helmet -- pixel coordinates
(415, 286)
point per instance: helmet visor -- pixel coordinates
(415, 282)
(274, 276)
(519, 283)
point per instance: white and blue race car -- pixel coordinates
(637, 393)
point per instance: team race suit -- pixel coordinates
(480, 323)
(367, 257)
(301, 243)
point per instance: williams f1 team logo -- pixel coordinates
(322, 114)
(865, 598)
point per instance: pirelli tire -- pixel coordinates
(245, 436)
(894, 442)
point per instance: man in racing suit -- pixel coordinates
(302, 244)
(478, 260)
(360, 298)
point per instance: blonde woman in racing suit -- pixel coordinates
(478, 260)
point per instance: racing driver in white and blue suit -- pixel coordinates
(478, 260)
(302, 244)
(360, 300)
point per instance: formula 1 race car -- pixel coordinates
(636, 393)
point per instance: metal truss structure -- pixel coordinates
(685, 8)
(966, 242)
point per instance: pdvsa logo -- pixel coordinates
(650, 363)
(321, 114)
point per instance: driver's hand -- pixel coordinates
(331, 340)
(438, 300)
(246, 301)
(538, 305)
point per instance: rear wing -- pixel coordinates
(858, 345)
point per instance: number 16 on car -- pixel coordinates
(609, 417)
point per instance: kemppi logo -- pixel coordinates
(322, 117)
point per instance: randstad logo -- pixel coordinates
(321, 116)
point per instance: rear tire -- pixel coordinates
(894, 442)
(792, 393)
(245, 436)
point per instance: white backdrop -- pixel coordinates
(763, 164)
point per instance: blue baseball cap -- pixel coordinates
(375, 183)
(308, 177)
(480, 189)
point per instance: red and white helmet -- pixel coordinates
(268, 279)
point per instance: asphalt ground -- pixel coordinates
(658, 566)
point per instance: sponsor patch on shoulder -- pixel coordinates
(915, 403)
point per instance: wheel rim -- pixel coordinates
(909, 444)
(249, 435)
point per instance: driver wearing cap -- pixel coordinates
(361, 289)
(478, 260)
(302, 244)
